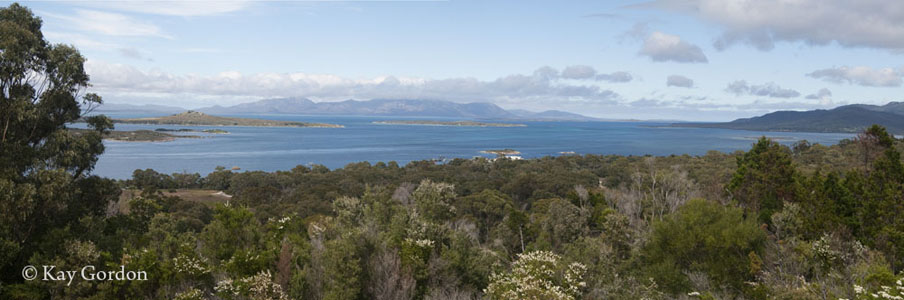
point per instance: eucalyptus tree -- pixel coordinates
(45, 180)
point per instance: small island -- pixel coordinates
(213, 131)
(138, 135)
(448, 123)
(194, 118)
(503, 152)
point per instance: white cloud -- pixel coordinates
(824, 96)
(665, 47)
(619, 76)
(173, 8)
(541, 86)
(578, 72)
(770, 89)
(584, 72)
(761, 23)
(647, 102)
(824, 92)
(864, 76)
(131, 52)
(679, 81)
(80, 41)
(112, 24)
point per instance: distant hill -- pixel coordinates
(848, 119)
(131, 108)
(194, 118)
(390, 107)
(891, 107)
(377, 107)
(550, 115)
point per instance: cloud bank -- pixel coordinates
(762, 23)
(864, 76)
(544, 85)
(111, 24)
(770, 89)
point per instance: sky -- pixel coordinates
(705, 60)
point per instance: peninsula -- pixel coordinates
(194, 118)
(214, 131)
(449, 123)
(138, 135)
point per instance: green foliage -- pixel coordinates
(232, 230)
(882, 198)
(44, 167)
(702, 237)
(765, 179)
(434, 200)
(342, 269)
(557, 222)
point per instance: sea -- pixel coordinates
(282, 148)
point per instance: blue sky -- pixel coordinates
(662, 59)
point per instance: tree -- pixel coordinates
(488, 208)
(434, 200)
(872, 142)
(883, 199)
(764, 179)
(43, 165)
(702, 237)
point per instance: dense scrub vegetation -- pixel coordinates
(800, 222)
(776, 222)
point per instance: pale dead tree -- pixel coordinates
(388, 280)
(627, 203)
(678, 188)
(314, 272)
(403, 193)
(467, 228)
(582, 193)
(284, 265)
(653, 192)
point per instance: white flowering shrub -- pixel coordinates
(538, 275)
(895, 292)
(226, 289)
(189, 266)
(257, 287)
(433, 200)
(190, 294)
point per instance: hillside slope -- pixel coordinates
(848, 119)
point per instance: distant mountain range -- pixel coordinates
(376, 107)
(849, 119)
(131, 108)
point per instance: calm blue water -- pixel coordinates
(270, 149)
